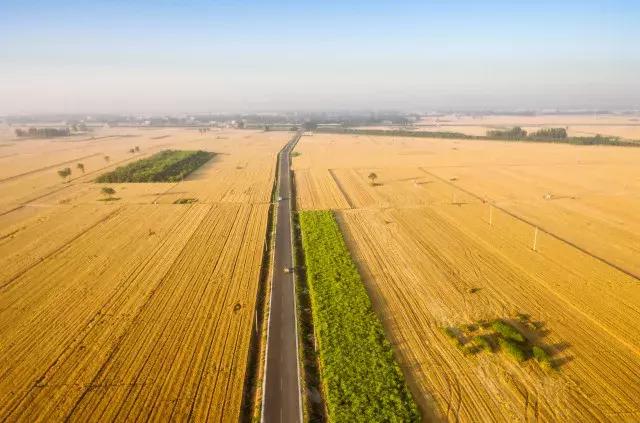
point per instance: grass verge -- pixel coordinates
(314, 410)
(360, 377)
(165, 166)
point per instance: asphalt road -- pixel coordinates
(281, 399)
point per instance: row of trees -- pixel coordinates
(397, 133)
(517, 133)
(34, 132)
(65, 174)
(550, 134)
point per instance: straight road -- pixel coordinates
(281, 399)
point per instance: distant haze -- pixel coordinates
(218, 56)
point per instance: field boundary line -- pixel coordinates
(60, 248)
(42, 169)
(540, 228)
(341, 188)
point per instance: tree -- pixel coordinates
(108, 191)
(80, 166)
(137, 148)
(514, 133)
(132, 150)
(372, 176)
(107, 158)
(550, 133)
(21, 132)
(64, 173)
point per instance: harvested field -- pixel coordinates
(422, 239)
(136, 308)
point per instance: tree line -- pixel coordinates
(517, 134)
(34, 132)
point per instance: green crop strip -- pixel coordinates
(360, 377)
(165, 166)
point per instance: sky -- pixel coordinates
(196, 56)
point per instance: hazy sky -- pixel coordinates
(199, 56)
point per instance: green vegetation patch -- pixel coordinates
(165, 166)
(542, 357)
(507, 331)
(361, 379)
(512, 348)
(185, 201)
(500, 336)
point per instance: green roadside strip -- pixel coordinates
(361, 379)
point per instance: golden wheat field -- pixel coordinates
(444, 238)
(135, 308)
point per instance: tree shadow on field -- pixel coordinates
(201, 172)
(156, 194)
(559, 362)
(560, 346)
